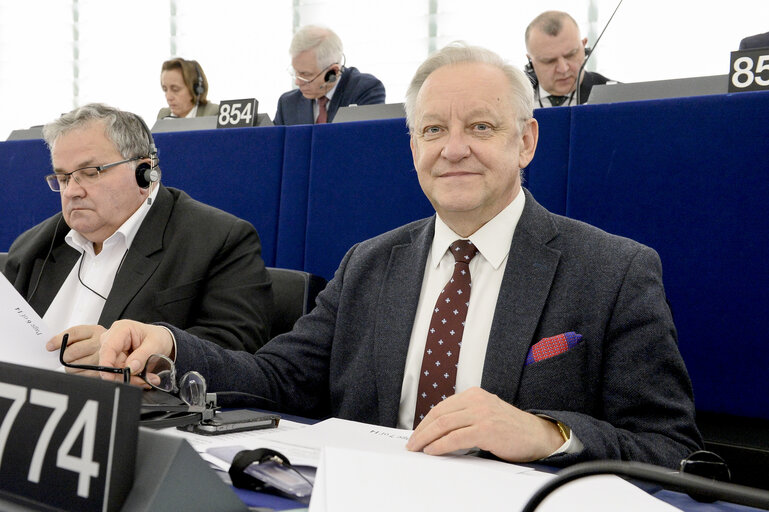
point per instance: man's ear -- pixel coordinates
(529, 139)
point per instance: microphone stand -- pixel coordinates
(582, 67)
(682, 482)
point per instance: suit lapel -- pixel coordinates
(401, 287)
(531, 267)
(142, 259)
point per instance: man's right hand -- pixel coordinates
(130, 343)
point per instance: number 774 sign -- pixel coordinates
(66, 441)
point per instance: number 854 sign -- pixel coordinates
(749, 70)
(67, 442)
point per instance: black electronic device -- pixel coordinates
(66, 442)
(331, 76)
(148, 173)
(241, 420)
(237, 113)
(749, 70)
(200, 87)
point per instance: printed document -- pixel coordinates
(24, 333)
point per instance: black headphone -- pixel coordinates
(148, 173)
(199, 87)
(331, 76)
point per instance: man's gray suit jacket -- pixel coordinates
(355, 88)
(623, 390)
(190, 264)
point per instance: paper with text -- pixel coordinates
(24, 333)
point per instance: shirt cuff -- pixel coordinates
(571, 445)
(173, 338)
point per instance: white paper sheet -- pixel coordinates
(351, 480)
(24, 334)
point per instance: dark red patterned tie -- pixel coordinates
(322, 113)
(444, 339)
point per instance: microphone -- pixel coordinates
(681, 482)
(582, 67)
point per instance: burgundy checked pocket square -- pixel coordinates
(552, 346)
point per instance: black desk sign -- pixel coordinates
(749, 70)
(66, 442)
(237, 113)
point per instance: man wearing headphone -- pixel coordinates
(325, 84)
(125, 246)
(556, 54)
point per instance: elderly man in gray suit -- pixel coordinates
(565, 351)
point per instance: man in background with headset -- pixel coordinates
(325, 84)
(556, 54)
(125, 246)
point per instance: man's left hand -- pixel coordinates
(82, 347)
(476, 418)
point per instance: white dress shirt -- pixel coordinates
(75, 304)
(486, 271)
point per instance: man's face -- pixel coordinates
(97, 210)
(466, 146)
(178, 96)
(557, 59)
(305, 66)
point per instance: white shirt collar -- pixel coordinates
(493, 239)
(193, 112)
(126, 232)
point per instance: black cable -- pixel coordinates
(48, 255)
(681, 482)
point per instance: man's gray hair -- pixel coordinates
(124, 129)
(521, 92)
(327, 45)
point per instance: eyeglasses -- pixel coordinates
(84, 176)
(292, 72)
(159, 373)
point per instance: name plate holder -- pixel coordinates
(749, 70)
(66, 442)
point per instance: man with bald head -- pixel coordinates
(493, 324)
(556, 53)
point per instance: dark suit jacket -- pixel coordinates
(190, 264)
(756, 41)
(623, 390)
(209, 109)
(588, 81)
(354, 88)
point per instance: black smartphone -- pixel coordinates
(239, 420)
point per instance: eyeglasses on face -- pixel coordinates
(84, 176)
(159, 373)
(294, 75)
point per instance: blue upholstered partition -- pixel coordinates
(292, 225)
(25, 198)
(690, 178)
(546, 175)
(237, 170)
(362, 183)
